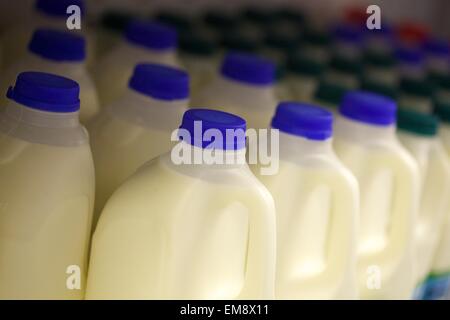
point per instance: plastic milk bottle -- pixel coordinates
(418, 133)
(144, 42)
(46, 190)
(244, 87)
(137, 127)
(194, 223)
(388, 177)
(317, 202)
(60, 53)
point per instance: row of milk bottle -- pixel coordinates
(156, 223)
(366, 225)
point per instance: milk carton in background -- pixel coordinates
(438, 282)
(110, 30)
(329, 95)
(200, 56)
(437, 55)
(243, 87)
(418, 133)
(317, 202)
(145, 41)
(348, 41)
(60, 53)
(388, 177)
(303, 77)
(46, 191)
(416, 95)
(46, 14)
(184, 230)
(137, 127)
(410, 62)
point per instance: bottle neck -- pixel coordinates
(259, 96)
(63, 67)
(146, 111)
(39, 118)
(361, 132)
(36, 126)
(294, 147)
(137, 54)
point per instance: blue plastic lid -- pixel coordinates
(58, 8)
(437, 47)
(153, 35)
(58, 45)
(46, 92)
(348, 33)
(224, 123)
(409, 55)
(304, 120)
(248, 68)
(370, 108)
(160, 81)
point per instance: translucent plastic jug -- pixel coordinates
(244, 87)
(144, 42)
(183, 230)
(418, 133)
(388, 177)
(60, 53)
(46, 14)
(46, 191)
(317, 203)
(137, 127)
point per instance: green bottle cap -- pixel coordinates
(377, 59)
(417, 122)
(299, 64)
(197, 44)
(346, 65)
(417, 87)
(442, 110)
(379, 88)
(176, 20)
(240, 42)
(115, 21)
(281, 41)
(330, 93)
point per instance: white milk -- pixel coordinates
(46, 191)
(137, 127)
(244, 87)
(46, 14)
(418, 133)
(388, 177)
(58, 53)
(440, 270)
(144, 42)
(185, 231)
(317, 202)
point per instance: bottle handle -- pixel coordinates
(259, 282)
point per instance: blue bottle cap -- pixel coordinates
(370, 108)
(152, 35)
(412, 56)
(437, 47)
(349, 34)
(303, 120)
(160, 81)
(58, 45)
(46, 92)
(58, 8)
(248, 68)
(226, 124)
